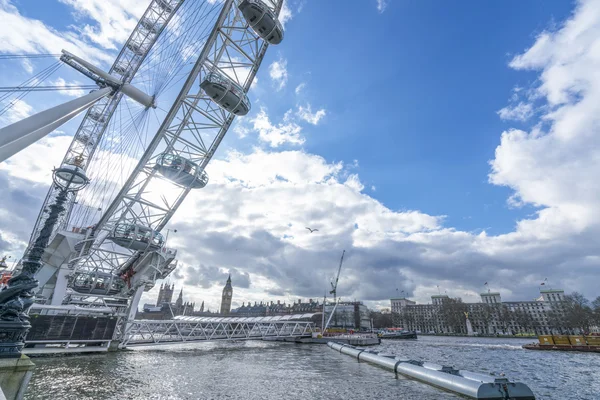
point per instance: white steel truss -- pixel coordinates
(96, 120)
(155, 332)
(192, 130)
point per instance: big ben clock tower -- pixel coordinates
(226, 298)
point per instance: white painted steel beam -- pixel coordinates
(21, 134)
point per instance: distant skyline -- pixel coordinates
(438, 143)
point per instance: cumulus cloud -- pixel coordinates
(286, 13)
(60, 82)
(285, 132)
(18, 110)
(381, 5)
(206, 276)
(300, 88)
(20, 34)
(114, 20)
(519, 112)
(555, 168)
(250, 220)
(306, 114)
(278, 73)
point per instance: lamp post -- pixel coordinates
(17, 297)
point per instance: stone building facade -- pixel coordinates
(165, 308)
(489, 317)
(349, 315)
(264, 309)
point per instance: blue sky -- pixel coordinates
(412, 93)
(466, 152)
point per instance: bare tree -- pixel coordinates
(381, 320)
(483, 317)
(523, 320)
(556, 320)
(506, 319)
(596, 311)
(578, 313)
(453, 312)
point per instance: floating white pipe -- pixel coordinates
(472, 384)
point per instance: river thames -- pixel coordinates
(268, 370)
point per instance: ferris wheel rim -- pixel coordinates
(128, 77)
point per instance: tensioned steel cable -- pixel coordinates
(32, 83)
(14, 89)
(21, 56)
(129, 131)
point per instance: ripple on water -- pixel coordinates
(269, 371)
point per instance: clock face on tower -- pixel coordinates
(228, 293)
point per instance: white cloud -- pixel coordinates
(20, 34)
(114, 19)
(555, 167)
(254, 211)
(286, 13)
(19, 110)
(307, 115)
(62, 83)
(35, 163)
(278, 73)
(354, 183)
(381, 5)
(300, 88)
(241, 128)
(520, 112)
(27, 65)
(276, 135)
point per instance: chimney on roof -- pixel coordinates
(310, 301)
(278, 302)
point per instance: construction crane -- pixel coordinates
(334, 285)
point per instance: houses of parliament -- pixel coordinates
(166, 309)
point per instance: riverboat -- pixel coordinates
(396, 333)
(566, 343)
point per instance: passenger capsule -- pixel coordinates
(136, 48)
(226, 94)
(120, 68)
(97, 283)
(136, 237)
(97, 116)
(181, 171)
(150, 25)
(167, 5)
(262, 20)
(84, 138)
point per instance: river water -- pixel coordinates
(272, 370)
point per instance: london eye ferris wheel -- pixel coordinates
(150, 128)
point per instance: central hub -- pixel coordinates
(104, 78)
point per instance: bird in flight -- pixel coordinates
(312, 230)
